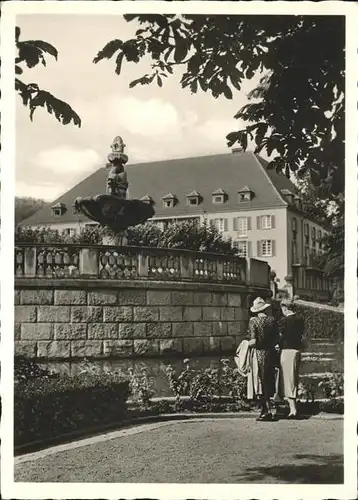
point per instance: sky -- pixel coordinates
(155, 123)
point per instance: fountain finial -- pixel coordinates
(113, 209)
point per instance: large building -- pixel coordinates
(258, 208)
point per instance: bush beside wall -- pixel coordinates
(45, 408)
(320, 323)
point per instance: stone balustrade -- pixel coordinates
(100, 302)
(113, 262)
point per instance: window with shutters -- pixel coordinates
(313, 234)
(220, 224)
(294, 253)
(70, 231)
(241, 225)
(307, 233)
(294, 224)
(242, 248)
(307, 252)
(265, 222)
(320, 239)
(266, 248)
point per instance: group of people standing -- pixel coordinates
(271, 358)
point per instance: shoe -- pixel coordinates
(293, 416)
(268, 417)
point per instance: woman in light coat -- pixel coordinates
(291, 329)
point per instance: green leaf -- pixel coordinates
(159, 81)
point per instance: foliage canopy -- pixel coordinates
(296, 113)
(30, 54)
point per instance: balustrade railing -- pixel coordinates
(131, 263)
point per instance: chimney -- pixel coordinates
(236, 150)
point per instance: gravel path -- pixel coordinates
(208, 451)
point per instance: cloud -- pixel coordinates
(153, 117)
(67, 160)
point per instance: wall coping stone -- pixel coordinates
(73, 284)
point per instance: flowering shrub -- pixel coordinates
(332, 385)
(47, 235)
(25, 370)
(186, 235)
(204, 386)
(140, 384)
(306, 392)
(141, 388)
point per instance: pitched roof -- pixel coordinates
(169, 196)
(146, 197)
(203, 173)
(218, 191)
(193, 194)
(245, 189)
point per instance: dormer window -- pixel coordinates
(58, 209)
(218, 196)
(245, 194)
(193, 198)
(147, 199)
(288, 195)
(169, 200)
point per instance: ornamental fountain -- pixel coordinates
(113, 209)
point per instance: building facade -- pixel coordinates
(259, 209)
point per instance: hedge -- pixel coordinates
(320, 323)
(45, 408)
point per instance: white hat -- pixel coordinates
(259, 305)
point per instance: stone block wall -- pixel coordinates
(98, 319)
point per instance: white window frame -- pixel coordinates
(242, 231)
(219, 223)
(244, 245)
(168, 203)
(192, 201)
(266, 248)
(268, 223)
(218, 199)
(70, 231)
(244, 197)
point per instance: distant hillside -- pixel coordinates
(26, 206)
